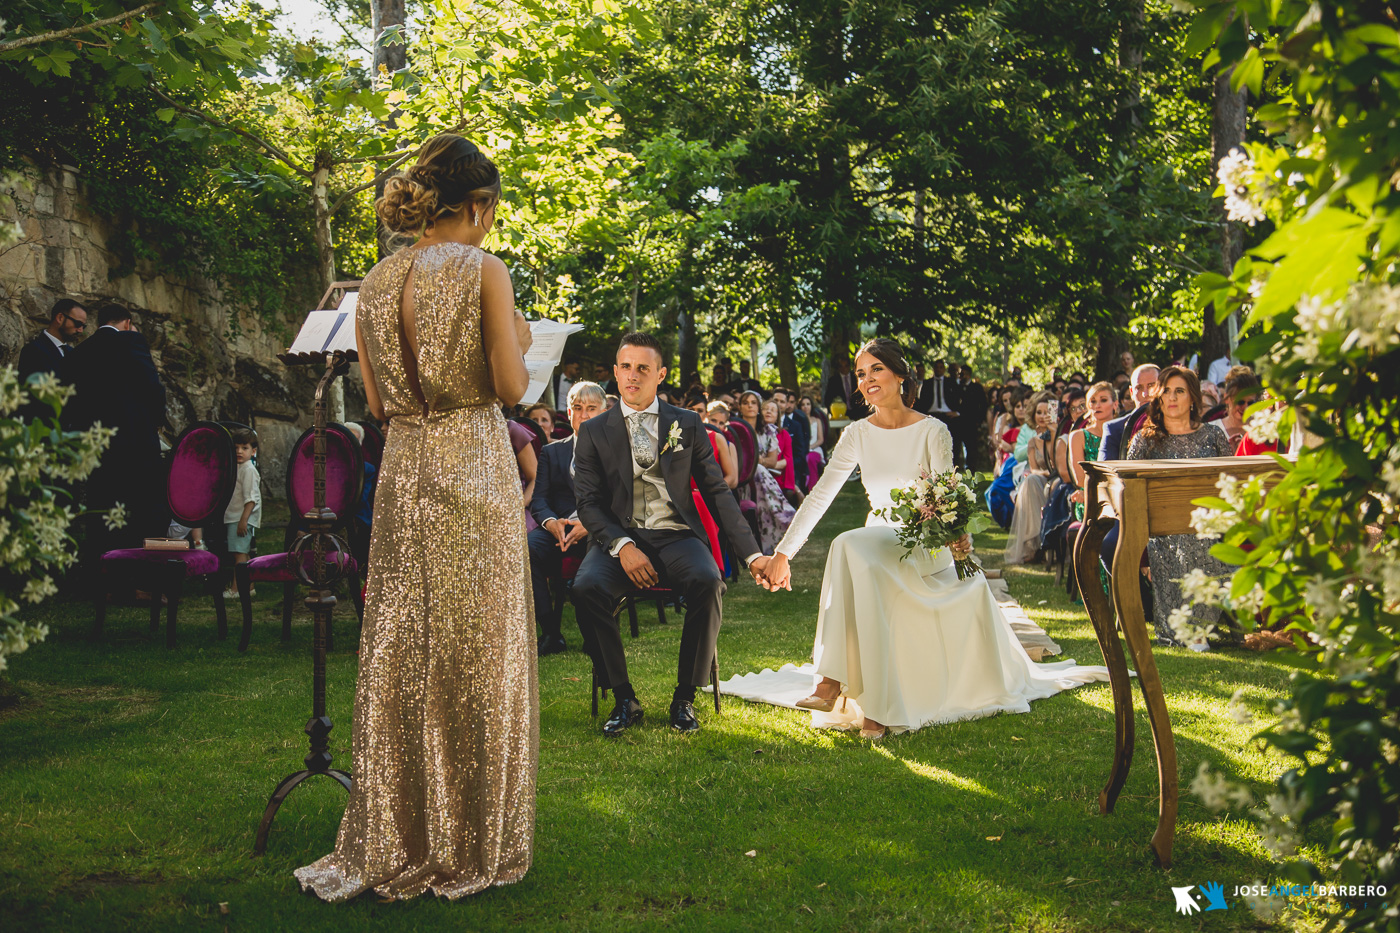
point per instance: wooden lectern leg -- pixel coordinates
(1132, 539)
(1086, 572)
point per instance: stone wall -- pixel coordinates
(218, 362)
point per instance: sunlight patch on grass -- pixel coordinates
(941, 775)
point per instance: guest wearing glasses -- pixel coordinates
(47, 352)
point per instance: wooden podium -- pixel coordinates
(1151, 498)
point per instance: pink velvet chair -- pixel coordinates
(345, 475)
(198, 486)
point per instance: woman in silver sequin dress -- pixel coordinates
(446, 732)
(1173, 431)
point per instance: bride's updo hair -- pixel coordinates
(450, 174)
(892, 355)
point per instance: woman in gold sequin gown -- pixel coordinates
(446, 731)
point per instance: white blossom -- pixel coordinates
(1218, 792)
(1267, 907)
(1373, 311)
(1318, 320)
(1322, 598)
(1235, 171)
(1185, 626)
(1200, 587)
(1390, 474)
(1211, 523)
(1237, 709)
(1249, 603)
(116, 516)
(1263, 426)
(1229, 487)
(38, 589)
(1279, 821)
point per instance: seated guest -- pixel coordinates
(1072, 409)
(1118, 433)
(782, 455)
(363, 522)
(774, 513)
(1242, 389)
(522, 440)
(1000, 494)
(717, 418)
(542, 415)
(1084, 443)
(560, 533)
(1173, 431)
(1023, 544)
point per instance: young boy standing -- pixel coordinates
(244, 512)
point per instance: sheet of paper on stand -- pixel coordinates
(328, 331)
(546, 350)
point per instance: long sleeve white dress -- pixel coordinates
(911, 644)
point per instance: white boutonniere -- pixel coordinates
(673, 438)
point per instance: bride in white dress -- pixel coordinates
(900, 644)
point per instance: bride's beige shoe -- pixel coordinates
(873, 735)
(820, 703)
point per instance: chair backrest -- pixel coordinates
(372, 447)
(562, 429)
(711, 529)
(202, 474)
(746, 441)
(345, 473)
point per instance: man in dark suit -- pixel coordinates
(744, 382)
(939, 397)
(842, 384)
(633, 467)
(1118, 437)
(972, 415)
(799, 429)
(564, 380)
(560, 533)
(48, 351)
(117, 385)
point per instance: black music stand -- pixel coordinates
(320, 577)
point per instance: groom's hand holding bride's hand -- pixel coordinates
(772, 573)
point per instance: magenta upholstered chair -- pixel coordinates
(198, 487)
(746, 442)
(345, 474)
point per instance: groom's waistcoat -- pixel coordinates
(651, 503)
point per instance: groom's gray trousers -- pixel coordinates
(683, 563)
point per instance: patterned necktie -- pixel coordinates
(641, 441)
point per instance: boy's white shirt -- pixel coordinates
(247, 489)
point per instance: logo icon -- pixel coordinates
(1214, 898)
(1215, 895)
(1185, 903)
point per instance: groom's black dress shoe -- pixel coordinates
(625, 714)
(551, 644)
(683, 716)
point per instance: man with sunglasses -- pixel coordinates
(47, 352)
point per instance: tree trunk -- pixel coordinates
(320, 197)
(389, 59)
(782, 349)
(325, 254)
(1226, 133)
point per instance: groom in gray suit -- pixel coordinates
(632, 472)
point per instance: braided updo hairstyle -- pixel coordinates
(450, 174)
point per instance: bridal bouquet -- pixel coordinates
(934, 512)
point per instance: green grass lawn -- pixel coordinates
(132, 779)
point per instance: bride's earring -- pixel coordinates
(476, 217)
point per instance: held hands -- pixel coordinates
(772, 573)
(637, 566)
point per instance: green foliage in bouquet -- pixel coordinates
(935, 511)
(1320, 550)
(36, 458)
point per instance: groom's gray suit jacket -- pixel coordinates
(603, 479)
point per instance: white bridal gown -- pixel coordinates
(911, 643)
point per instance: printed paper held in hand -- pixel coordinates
(545, 353)
(328, 331)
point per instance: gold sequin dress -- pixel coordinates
(446, 732)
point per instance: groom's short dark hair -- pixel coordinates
(639, 339)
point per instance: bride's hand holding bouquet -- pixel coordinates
(939, 510)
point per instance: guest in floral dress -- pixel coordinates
(774, 512)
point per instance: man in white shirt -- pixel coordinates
(633, 467)
(1218, 370)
